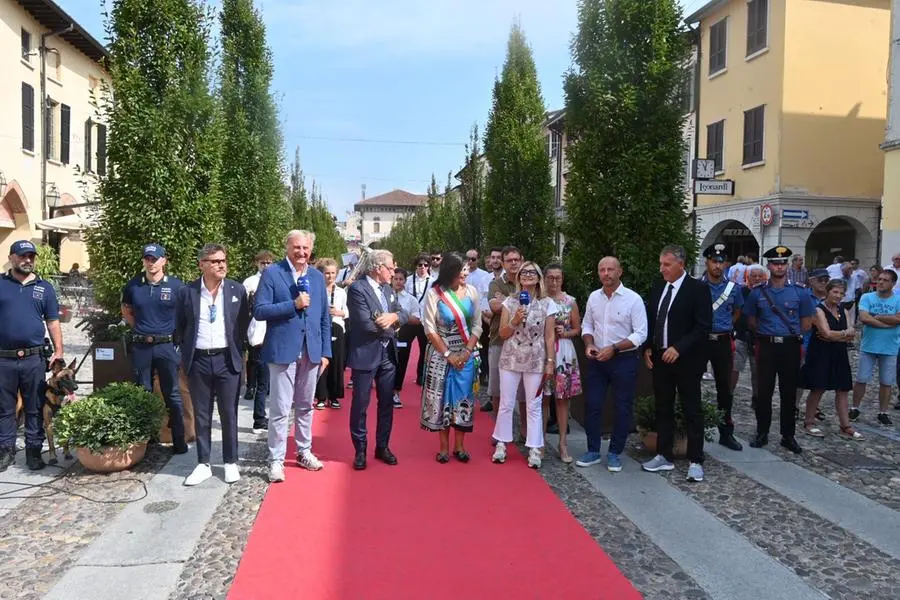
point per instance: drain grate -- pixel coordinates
(852, 460)
(161, 507)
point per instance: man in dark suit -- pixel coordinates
(292, 300)
(375, 316)
(679, 318)
(211, 319)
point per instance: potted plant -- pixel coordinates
(110, 428)
(645, 418)
(109, 336)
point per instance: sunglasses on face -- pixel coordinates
(528, 273)
(435, 258)
(472, 258)
(422, 265)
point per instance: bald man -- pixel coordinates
(613, 328)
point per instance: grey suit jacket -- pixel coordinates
(365, 337)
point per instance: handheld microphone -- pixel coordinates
(524, 298)
(303, 285)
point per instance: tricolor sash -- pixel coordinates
(456, 309)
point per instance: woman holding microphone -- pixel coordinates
(528, 357)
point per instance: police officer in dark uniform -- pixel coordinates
(727, 301)
(27, 302)
(779, 312)
(148, 305)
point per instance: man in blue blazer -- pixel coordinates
(292, 300)
(375, 317)
(211, 317)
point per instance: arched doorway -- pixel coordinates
(838, 236)
(736, 236)
(13, 216)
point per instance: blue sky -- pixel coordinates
(396, 70)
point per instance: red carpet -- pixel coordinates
(420, 529)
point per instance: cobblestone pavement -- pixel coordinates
(42, 537)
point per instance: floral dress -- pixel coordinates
(566, 382)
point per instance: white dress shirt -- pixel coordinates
(211, 334)
(338, 299)
(676, 285)
(256, 331)
(382, 300)
(417, 286)
(613, 319)
(481, 280)
(408, 303)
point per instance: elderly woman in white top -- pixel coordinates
(330, 387)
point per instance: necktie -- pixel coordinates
(661, 318)
(383, 299)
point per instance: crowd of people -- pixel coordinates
(510, 326)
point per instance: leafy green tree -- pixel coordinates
(297, 194)
(518, 206)
(254, 207)
(164, 143)
(329, 242)
(625, 190)
(471, 193)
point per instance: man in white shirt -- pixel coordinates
(417, 285)
(895, 267)
(613, 328)
(407, 333)
(257, 370)
(836, 269)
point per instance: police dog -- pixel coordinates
(58, 391)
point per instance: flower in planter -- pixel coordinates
(645, 416)
(116, 416)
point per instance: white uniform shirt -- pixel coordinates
(612, 319)
(211, 332)
(417, 286)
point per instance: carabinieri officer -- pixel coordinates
(148, 305)
(779, 312)
(727, 301)
(27, 302)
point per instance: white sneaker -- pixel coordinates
(276, 472)
(201, 473)
(534, 458)
(499, 453)
(308, 460)
(232, 473)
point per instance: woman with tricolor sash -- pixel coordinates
(452, 320)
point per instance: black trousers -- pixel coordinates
(210, 379)
(383, 375)
(681, 379)
(485, 341)
(721, 356)
(423, 343)
(405, 337)
(781, 360)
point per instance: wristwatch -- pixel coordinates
(446, 353)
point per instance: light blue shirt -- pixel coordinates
(877, 340)
(792, 302)
(723, 317)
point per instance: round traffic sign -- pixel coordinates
(767, 215)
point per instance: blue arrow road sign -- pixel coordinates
(794, 214)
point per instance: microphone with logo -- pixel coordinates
(524, 298)
(303, 286)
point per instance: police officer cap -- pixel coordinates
(819, 274)
(155, 250)
(778, 254)
(22, 247)
(716, 252)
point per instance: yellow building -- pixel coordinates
(44, 146)
(890, 223)
(792, 108)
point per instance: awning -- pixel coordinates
(67, 223)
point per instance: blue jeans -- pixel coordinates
(164, 359)
(621, 372)
(25, 375)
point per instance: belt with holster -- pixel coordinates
(21, 352)
(151, 339)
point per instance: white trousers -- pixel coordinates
(509, 387)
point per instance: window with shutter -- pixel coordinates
(757, 25)
(101, 149)
(27, 117)
(88, 146)
(754, 123)
(715, 142)
(718, 41)
(65, 126)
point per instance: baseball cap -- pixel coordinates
(155, 250)
(22, 247)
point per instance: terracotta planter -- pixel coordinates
(649, 439)
(111, 459)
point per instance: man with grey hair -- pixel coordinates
(211, 319)
(679, 319)
(375, 317)
(292, 300)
